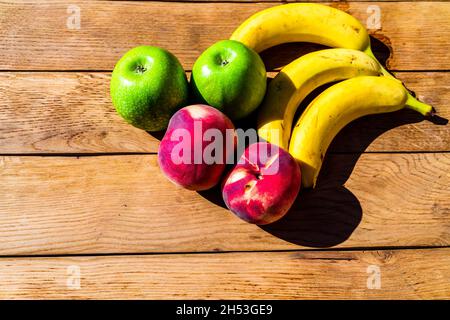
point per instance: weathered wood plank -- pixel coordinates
(285, 1)
(43, 35)
(403, 274)
(64, 113)
(45, 112)
(116, 204)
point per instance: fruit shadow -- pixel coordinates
(278, 56)
(327, 215)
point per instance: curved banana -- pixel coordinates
(299, 78)
(302, 22)
(306, 22)
(333, 109)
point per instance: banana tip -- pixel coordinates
(432, 113)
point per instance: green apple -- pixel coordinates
(148, 85)
(230, 77)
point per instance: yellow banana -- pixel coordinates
(299, 78)
(306, 22)
(334, 108)
(302, 22)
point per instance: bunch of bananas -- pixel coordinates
(367, 88)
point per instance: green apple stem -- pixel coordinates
(140, 69)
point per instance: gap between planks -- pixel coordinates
(162, 253)
(91, 155)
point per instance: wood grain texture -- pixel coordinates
(64, 113)
(44, 112)
(118, 204)
(67, 205)
(35, 33)
(408, 274)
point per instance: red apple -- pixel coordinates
(263, 185)
(195, 147)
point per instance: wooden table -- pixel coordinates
(86, 213)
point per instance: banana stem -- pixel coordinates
(385, 73)
(423, 108)
(411, 102)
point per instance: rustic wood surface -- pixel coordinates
(112, 204)
(37, 37)
(80, 189)
(44, 112)
(407, 274)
